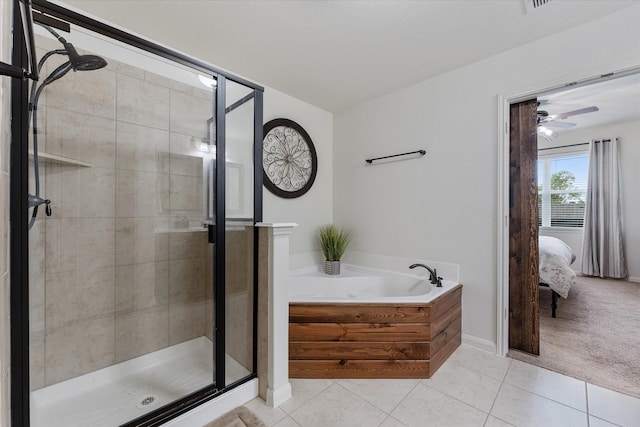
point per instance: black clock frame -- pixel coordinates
(273, 188)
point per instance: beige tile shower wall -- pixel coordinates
(239, 307)
(79, 238)
(121, 273)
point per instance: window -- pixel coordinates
(562, 189)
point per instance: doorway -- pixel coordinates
(572, 342)
(505, 195)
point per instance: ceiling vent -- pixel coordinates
(531, 5)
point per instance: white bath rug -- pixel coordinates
(239, 417)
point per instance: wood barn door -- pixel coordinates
(523, 228)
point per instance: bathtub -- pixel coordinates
(362, 284)
(369, 323)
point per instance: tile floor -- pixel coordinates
(473, 388)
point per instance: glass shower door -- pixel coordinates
(239, 232)
(121, 273)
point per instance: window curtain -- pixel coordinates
(602, 245)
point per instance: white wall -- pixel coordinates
(629, 134)
(316, 206)
(443, 206)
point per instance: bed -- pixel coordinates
(556, 258)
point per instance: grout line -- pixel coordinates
(602, 419)
(547, 398)
(589, 415)
(406, 395)
(489, 414)
(461, 401)
(392, 418)
(332, 381)
(481, 375)
(549, 369)
(361, 398)
(586, 396)
(506, 372)
(509, 362)
(388, 414)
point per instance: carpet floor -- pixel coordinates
(595, 336)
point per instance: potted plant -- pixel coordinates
(333, 241)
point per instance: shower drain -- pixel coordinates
(148, 400)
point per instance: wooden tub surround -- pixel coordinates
(373, 340)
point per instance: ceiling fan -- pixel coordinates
(547, 122)
(552, 121)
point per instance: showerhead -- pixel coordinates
(82, 62)
(78, 62)
(88, 63)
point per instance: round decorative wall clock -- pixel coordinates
(289, 160)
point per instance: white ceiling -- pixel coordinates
(337, 54)
(618, 100)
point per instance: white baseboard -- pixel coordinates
(628, 279)
(479, 343)
(277, 397)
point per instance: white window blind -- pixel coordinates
(562, 189)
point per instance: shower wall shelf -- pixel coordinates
(54, 158)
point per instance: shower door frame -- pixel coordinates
(19, 249)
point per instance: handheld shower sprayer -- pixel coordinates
(76, 62)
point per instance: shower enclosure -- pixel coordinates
(141, 255)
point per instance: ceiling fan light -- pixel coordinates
(547, 133)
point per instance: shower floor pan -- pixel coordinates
(120, 393)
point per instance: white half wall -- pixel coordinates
(629, 134)
(443, 206)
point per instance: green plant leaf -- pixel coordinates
(333, 241)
